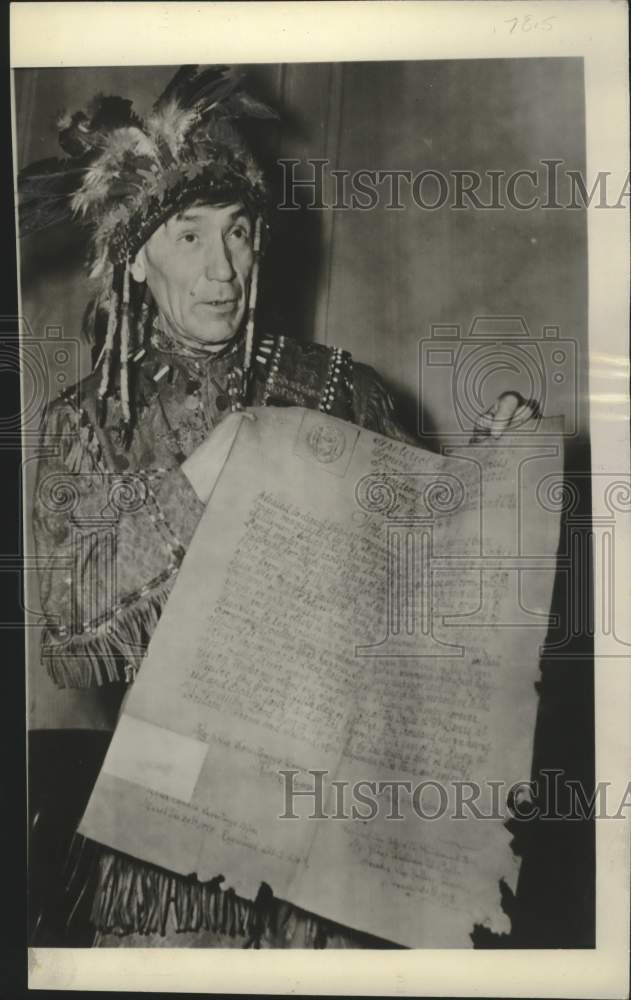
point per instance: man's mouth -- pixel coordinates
(220, 305)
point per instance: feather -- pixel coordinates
(100, 268)
(124, 144)
(74, 134)
(42, 217)
(191, 85)
(213, 88)
(111, 112)
(208, 95)
(176, 84)
(45, 190)
(50, 171)
(171, 125)
(82, 133)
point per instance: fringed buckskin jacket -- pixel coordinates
(112, 526)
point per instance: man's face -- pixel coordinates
(198, 266)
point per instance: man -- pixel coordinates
(177, 209)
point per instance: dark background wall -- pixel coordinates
(371, 281)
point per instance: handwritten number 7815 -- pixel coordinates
(529, 23)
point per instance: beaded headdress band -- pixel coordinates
(123, 176)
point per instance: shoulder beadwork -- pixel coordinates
(311, 375)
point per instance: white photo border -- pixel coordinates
(107, 34)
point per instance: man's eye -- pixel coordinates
(189, 237)
(239, 233)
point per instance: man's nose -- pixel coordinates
(218, 263)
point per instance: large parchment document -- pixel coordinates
(359, 607)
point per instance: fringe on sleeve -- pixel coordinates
(109, 652)
(94, 634)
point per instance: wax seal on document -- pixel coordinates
(326, 442)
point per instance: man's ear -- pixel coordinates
(138, 267)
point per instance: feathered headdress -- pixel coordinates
(123, 176)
